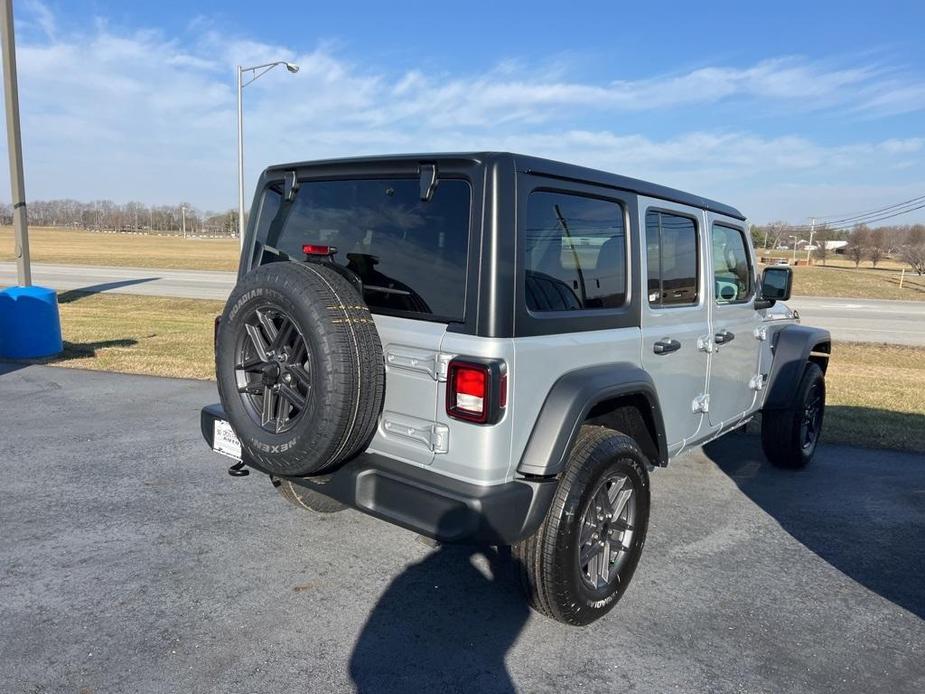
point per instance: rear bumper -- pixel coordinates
(428, 503)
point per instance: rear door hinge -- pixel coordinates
(433, 435)
(419, 360)
(761, 333)
(757, 382)
(443, 366)
(706, 344)
(701, 403)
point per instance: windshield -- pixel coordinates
(411, 255)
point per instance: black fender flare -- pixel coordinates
(567, 405)
(791, 347)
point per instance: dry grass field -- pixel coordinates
(876, 396)
(839, 278)
(876, 393)
(76, 247)
(158, 336)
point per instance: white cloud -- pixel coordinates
(139, 115)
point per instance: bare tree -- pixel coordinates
(774, 232)
(878, 245)
(823, 236)
(131, 216)
(858, 244)
(913, 250)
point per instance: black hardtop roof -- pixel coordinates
(534, 165)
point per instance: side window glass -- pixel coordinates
(575, 253)
(671, 250)
(731, 272)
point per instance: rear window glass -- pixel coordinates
(411, 255)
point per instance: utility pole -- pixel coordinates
(183, 217)
(812, 230)
(14, 143)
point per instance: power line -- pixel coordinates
(838, 219)
(877, 215)
(880, 218)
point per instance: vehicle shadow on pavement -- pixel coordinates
(77, 294)
(861, 510)
(444, 624)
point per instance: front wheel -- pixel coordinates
(789, 436)
(579, 563)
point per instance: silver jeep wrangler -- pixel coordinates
(494, 348)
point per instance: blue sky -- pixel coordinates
(785, 110)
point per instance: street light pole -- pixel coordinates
(239, 76)
(14, 143)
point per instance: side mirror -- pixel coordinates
(776, 283)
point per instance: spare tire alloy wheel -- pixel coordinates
(272, 369)
(300, 368)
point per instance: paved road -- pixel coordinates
(865, 320)
(196, 284)
(129, 561)
(898, 322)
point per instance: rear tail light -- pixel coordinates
(476, 390)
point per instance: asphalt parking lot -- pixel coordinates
(129, 561)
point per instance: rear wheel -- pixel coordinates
(579, 563)
(307, 499)
(789, 436)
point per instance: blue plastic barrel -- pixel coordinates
(30, 327)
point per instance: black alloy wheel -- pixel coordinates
(272, 369)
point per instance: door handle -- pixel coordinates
(666, 346)
(724, 336)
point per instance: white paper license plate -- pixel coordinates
(225, 441)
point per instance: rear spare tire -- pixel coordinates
(299, 368)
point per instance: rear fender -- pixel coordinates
(568, 405)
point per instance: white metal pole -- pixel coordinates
(183, 218)
(238, 73)
(14, 143)
(812, 230)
